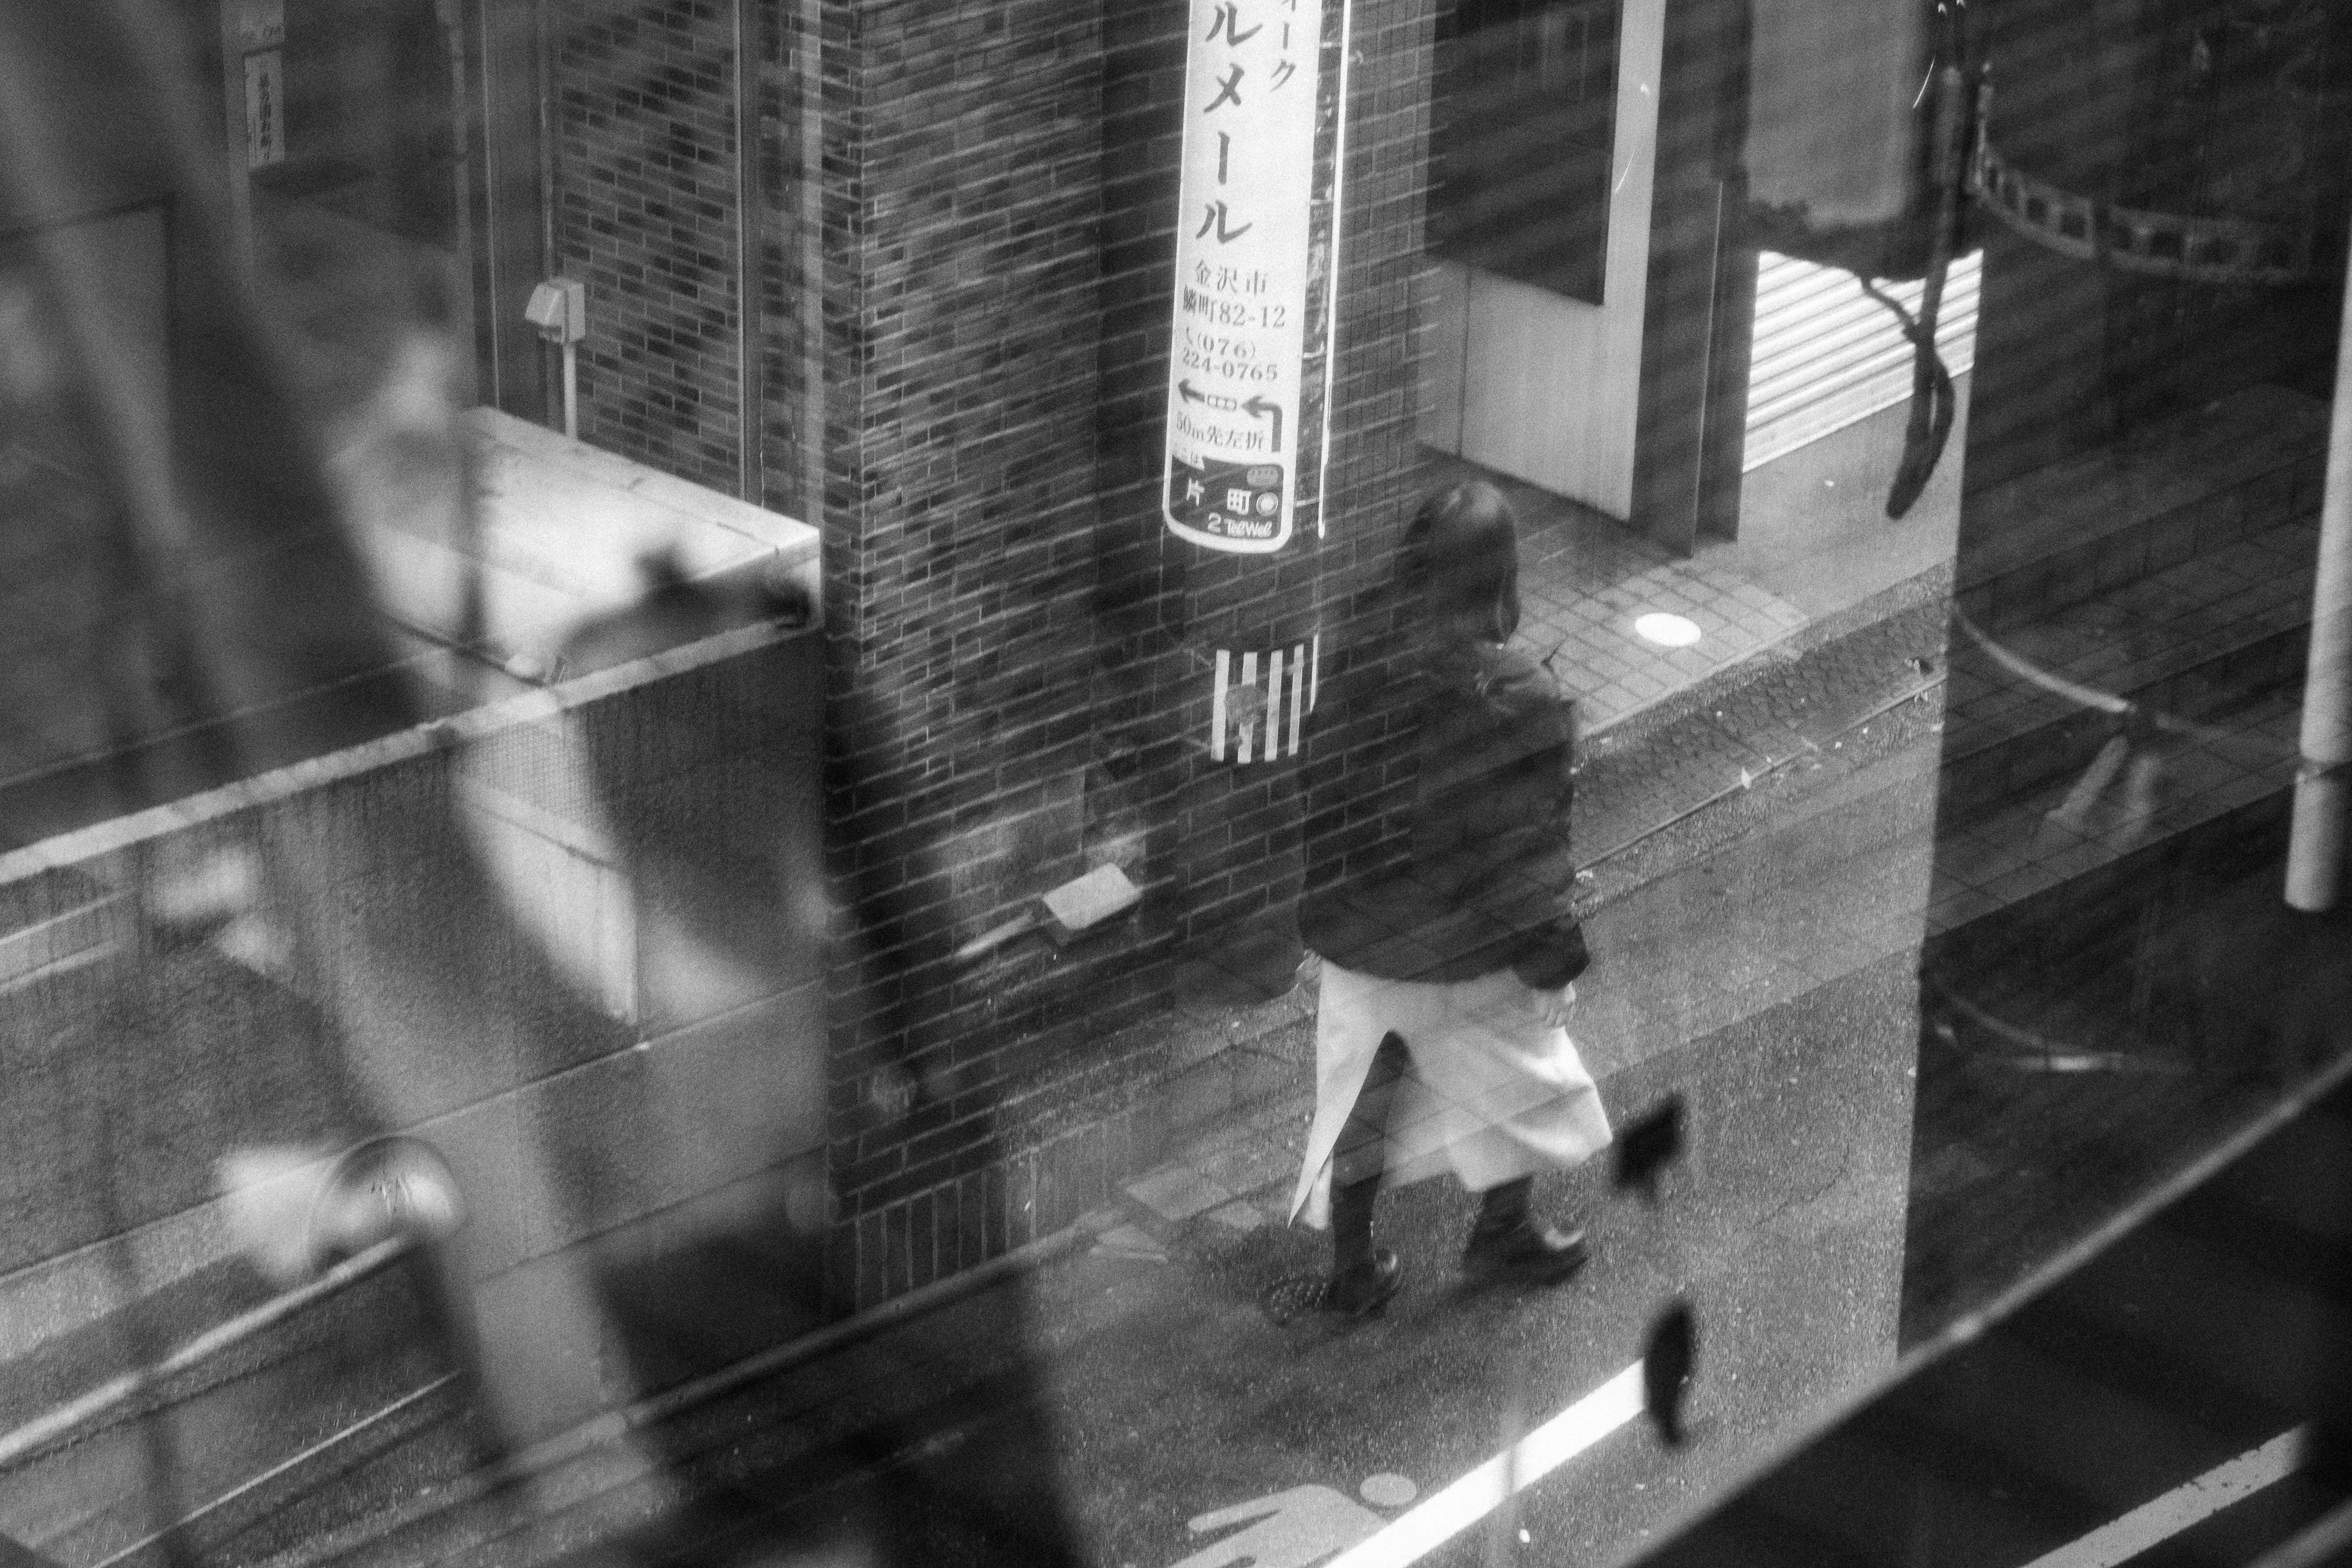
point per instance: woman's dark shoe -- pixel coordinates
(1360, 1291)
(1523, 1250)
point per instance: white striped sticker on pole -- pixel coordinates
(1217, 708)
(1255, 718)
(1250, 705)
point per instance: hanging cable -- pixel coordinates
(1932, 405)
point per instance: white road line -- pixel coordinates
(2187, 1504)
(1446, 1514)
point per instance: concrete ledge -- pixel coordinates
(106, 838)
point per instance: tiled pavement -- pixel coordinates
(1239, 1176)
(1582, 581)
(1599, 653)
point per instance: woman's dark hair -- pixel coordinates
(1459, 560)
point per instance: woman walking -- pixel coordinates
(1441, 1041)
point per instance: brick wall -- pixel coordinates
(646, 212)
(1359, 784)
(1010, 637)
(989, 242)
(1235, 833)
(961, 215)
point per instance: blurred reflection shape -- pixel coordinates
(527, 998)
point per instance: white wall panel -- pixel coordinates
(1548, 387)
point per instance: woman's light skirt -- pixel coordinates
(1493, 1093)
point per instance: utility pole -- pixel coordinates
(2323, 789)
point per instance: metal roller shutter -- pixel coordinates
(1827, 355)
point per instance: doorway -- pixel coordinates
(1544, 152)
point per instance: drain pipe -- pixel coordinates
(2323, 785)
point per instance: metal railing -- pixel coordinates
(63, 1423)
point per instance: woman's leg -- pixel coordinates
(1363, 1277)
(1509, 1242)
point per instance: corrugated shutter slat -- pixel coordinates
(1827, 355)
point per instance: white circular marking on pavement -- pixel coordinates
(1389, 1490)
(1665, 630)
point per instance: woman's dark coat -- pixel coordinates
(1486, 882)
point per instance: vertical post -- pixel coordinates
(809, 62)
(1699, 302)
(510, 187)
(543, 52)
(2323, 787)
(1247, 453)
(460, 272)
(233, 163)
(252, 34)
(750, 392)
(572, 389)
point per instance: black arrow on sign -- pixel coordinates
(1190, 396)
(1258, 408)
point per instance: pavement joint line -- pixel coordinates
(1430, 1524)
(2190, 1503)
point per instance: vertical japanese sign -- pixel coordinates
(265, 109)
(259, 29)
(1248, 360)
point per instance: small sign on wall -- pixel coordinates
(265, 108)
(1253, 263)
